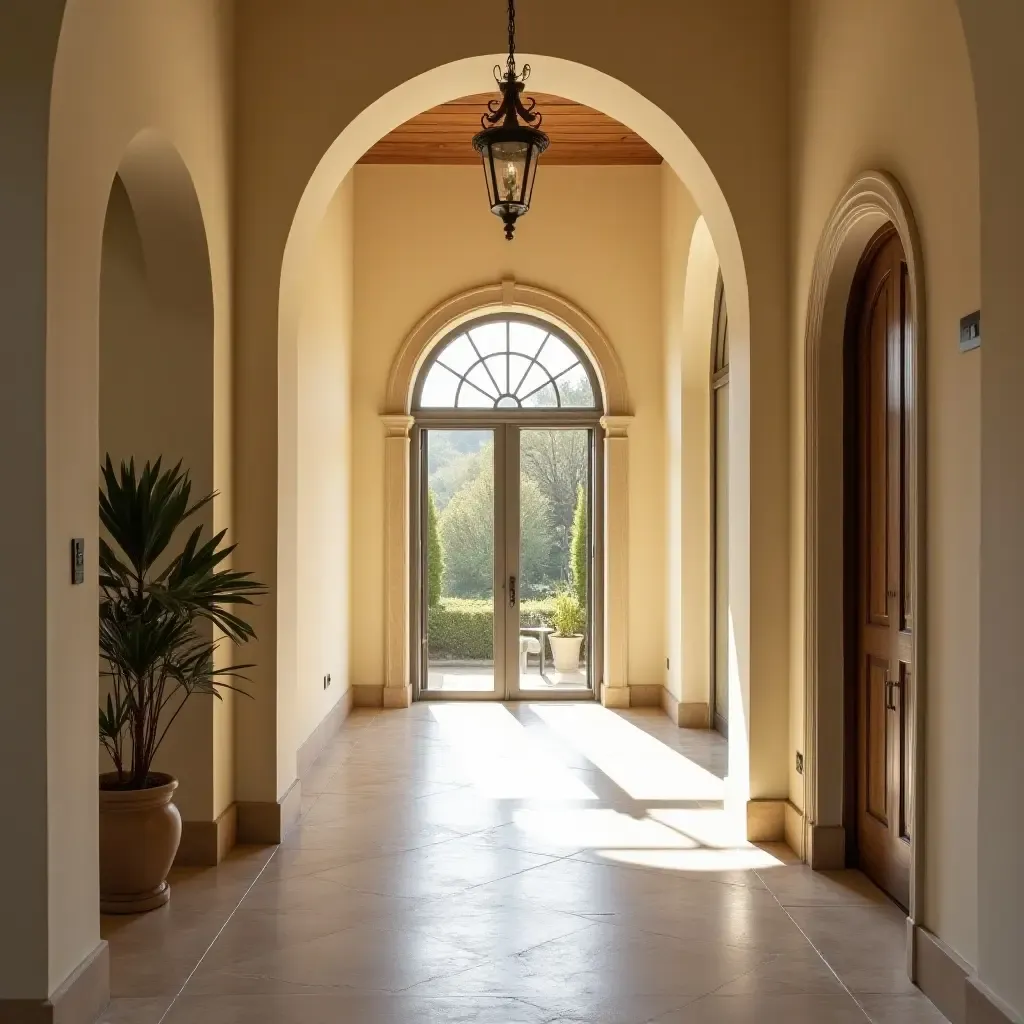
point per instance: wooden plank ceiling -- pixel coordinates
(579, 135)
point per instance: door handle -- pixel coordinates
(890, 694)
(511, 591)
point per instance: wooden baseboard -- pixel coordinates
(207, 843)
(615, 696)
(367, 696)
(315, 742)
(985, 1007)
(78, 1000)
(396, 696)
(266, 822)
(766, 821)
(940, 974)
(793, 826)
(826, 847)
(645, 695)
(685, 714)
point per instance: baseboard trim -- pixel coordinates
(396, 696)
(685, 714)
(315, 742)
(266, 822)
(645, 695)
(615, 696)
(766, 821)
(985, 1007)
(826, 847)
(80, 998)
(207, 843)
(793, 827)
(941, 975)
(367, 696)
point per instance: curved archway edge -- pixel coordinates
(507, 296)
(873, 200)
(566, 78)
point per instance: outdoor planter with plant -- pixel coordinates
(568, 619)
(162, 617)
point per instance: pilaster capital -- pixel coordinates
(616, 426)
(397, 425)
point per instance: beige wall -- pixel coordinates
(900, 99)
(119, 70)
(411, 256)
(994, 29)
(325, 428)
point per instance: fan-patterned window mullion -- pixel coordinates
(507, 363)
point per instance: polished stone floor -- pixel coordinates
(537, 863)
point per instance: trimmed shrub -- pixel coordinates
(435, 555)
(578, 548)
(462, 629)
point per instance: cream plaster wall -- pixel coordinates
(888, 86)
(410, 256)
(156, 360)
(994, 29)
(119, 69)
(324, 470)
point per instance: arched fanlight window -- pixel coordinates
(507, 363)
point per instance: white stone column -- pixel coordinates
(615, 689)
(397, 682)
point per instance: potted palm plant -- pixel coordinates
(568, 620)
(162, 616)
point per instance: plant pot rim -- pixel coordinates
(566, 636)
(163, 785)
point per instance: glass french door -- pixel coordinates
(505, 561)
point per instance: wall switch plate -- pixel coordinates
(78, 560)
(799, 763)
(970, 331)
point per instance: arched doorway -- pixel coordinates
(873, 208)
(506, 482)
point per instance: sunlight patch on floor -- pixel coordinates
(636, 762)
(500, 758)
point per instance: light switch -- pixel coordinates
(970, 332)
(78, 560)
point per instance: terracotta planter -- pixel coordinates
(139, 834)
(566, 652)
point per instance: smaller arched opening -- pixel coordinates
(506, 472)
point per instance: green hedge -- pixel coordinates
(461, 629)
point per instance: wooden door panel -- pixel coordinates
(876, 455)
(876, 740)
(885, 699)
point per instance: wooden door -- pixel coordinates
(884, 668)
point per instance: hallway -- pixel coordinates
(514, 864)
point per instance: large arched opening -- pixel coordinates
(625, 104)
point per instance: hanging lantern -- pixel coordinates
(511, 141)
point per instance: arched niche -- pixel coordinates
(156, 379)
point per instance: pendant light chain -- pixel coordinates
(511, 39)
